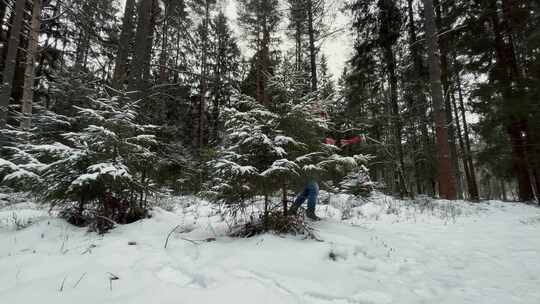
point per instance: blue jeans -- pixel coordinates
(311, 193)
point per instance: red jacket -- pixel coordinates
(345, 142)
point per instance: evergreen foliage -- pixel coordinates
(110, 159)
(278, 148)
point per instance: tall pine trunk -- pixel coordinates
(11, 61)
(143, 41)
(201, 128)
(312, 48)
(164, 56)
(298, 46)
(83, 42)
(124, 46)
(29, 73)
(447, 185)
(3, 7)
(472, 183)
(396, 121)
(516, 125)
(440, 9)
(263, 62)
(420, 105)
(462, 146)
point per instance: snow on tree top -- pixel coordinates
(282, 166)
(20, 174)
(102, 169)
(281, 140)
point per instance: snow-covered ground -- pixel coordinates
(385, 252)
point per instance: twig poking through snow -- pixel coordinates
(107, 219)
(62, 285)
(169, 235)
(89, 249)
(17, 277)
(80, 279)
(196, 242)
(112, 277)
(191, 241)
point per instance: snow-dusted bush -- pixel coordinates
(358, 182)
(105, 165)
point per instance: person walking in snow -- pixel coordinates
(311, 194)
(311, 189)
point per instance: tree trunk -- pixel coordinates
(266, 212)
(284, 199)
(396, 121)
(462, 146)
(536, 184)
(312, 49)
(516, 127)
(11, 61)
(176, 75)
(204, 78)
(3, 38)
(519, 161)
(447, 185)
(473, 185)
(440, 8)
(83, 43)
(420, 102)
(503, 191)
(124, 46)
(263, 65)
(164, 56)
(146, 76)
(143, 42)
(3, 6)
(217, 86)
(298, 46)
(29, 73)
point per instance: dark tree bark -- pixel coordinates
(143, 41)
(312, 48)
(11, 61)
(507, 72)
(164, 55)
(447, 185)
(420, 103)
(29, 73)
(389, 19)
(462, 146)
(396, 121)
(83, 42)
(3, 6)
(440, 9)
(472, 183)
(201, 128)
(148, 54)
(124, 46)
(503, 191)
(263, 69)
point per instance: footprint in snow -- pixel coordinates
(175, 276)
(363, 297)
(367, 267)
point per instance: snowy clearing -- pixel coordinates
(386, 252)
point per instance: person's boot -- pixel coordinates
(311, 214)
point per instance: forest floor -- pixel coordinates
(385, 251)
